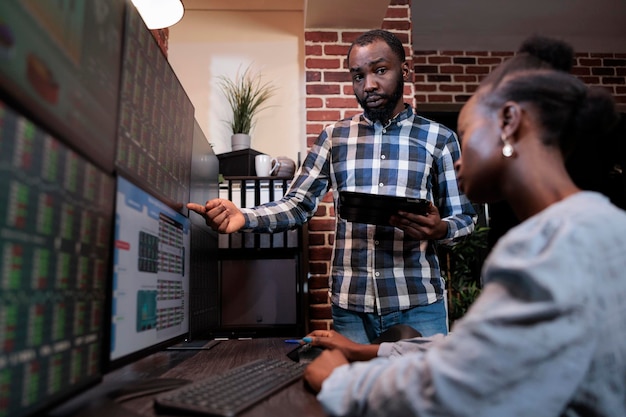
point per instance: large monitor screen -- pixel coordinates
(150, 306)
(60, 60)
(55, 238)
(156, 121)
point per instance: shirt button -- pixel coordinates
(381, 184)
(383, 157)
(376, 242)
(377, 274)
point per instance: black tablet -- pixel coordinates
(375, 208)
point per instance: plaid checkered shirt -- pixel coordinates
(377, 268)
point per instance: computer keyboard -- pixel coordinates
(230, 393)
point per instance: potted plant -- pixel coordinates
(245, 94)
(462, 265)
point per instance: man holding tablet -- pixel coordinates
(382, 275)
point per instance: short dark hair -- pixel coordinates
(379, 34)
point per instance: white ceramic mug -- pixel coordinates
(264, 165)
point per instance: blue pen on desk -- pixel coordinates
(299, 341)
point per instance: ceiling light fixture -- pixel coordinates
(159, 14)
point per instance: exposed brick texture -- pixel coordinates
(449, 71)
(441, 77)
(162, 37)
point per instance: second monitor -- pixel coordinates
(150, 294)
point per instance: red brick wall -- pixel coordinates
(440, 77)
(452, 76)
(162, 37)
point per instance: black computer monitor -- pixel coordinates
(64, 151)
(156, 118)
(55, 232)
(150, 286)
(59, 84)
(60, 63)
(204, 179)
(204, 299)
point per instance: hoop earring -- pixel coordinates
(507, 149)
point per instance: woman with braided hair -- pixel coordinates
(545, 337)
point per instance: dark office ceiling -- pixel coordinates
(589, 25)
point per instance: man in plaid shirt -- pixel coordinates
(381, 275)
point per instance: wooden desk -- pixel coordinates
(193, 365)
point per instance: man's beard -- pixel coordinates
(385, 113)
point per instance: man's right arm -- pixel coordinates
(220, 215)
(300, 202)
(294, 209)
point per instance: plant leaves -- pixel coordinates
(246, 93)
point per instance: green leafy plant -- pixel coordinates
(462, 265)
(246, 94)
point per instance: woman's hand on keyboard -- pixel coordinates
(352, 351)
(316, 373)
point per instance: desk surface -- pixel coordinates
(293, 400)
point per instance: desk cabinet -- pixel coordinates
(262, 276)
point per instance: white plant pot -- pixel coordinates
(240, 141)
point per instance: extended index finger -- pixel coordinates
(196, 207)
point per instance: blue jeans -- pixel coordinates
(365, 327)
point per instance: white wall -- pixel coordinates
(206, 44)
